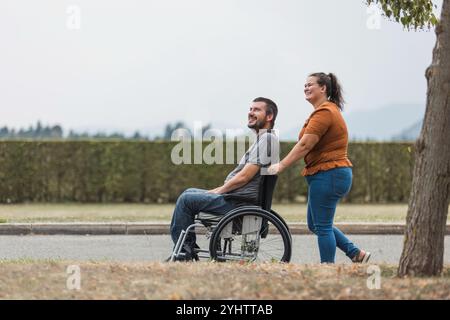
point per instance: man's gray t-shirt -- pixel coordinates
(264, 152)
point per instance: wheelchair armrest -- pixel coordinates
(231, 196)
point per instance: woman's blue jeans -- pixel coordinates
(325, 189)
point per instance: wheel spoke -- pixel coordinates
(250, 246)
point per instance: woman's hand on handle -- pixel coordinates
(276, 168)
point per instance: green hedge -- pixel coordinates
(129, 171)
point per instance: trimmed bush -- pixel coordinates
(132, 171)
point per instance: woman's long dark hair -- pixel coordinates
(334, 89)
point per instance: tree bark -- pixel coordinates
(423, 250)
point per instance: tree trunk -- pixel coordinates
(423, 251)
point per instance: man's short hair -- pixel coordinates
(271, 108)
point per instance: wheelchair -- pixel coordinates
(249, 233)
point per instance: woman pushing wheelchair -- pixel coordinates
(323, 143)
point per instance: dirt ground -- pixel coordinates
(208, 280)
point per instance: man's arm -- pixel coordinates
(240, 179)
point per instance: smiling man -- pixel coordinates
(242, 181)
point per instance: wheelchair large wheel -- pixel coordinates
(251, 235)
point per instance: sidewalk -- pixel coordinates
(141, 228)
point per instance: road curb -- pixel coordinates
(142, 228)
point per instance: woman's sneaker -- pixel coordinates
(362, 257)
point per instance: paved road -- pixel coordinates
(156, 248)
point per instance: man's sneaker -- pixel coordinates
(181, 259)
(362, 257)
(168, 259)
(189, 254)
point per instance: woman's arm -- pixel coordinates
(300, 150)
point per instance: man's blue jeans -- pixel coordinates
(325, 189)
(191, 202)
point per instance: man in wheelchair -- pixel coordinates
(241, 186)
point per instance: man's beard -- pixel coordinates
(259, 124)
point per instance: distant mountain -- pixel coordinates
(383, 124)
(92, 129)
(158, 131)
(409, 134)
(393, 122)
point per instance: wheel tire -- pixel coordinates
(272, 219)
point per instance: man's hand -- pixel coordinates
(217, 190)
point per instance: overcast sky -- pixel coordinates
(140, 64)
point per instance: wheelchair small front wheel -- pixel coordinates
(253, 236)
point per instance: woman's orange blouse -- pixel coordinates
(331, 150)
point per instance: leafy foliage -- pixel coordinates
(415, 14)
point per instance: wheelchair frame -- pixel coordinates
(263, 207)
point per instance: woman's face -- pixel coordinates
(314, 92)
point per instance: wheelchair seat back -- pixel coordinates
(266, 190)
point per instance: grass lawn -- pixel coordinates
(207, 280)
(163, 212)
